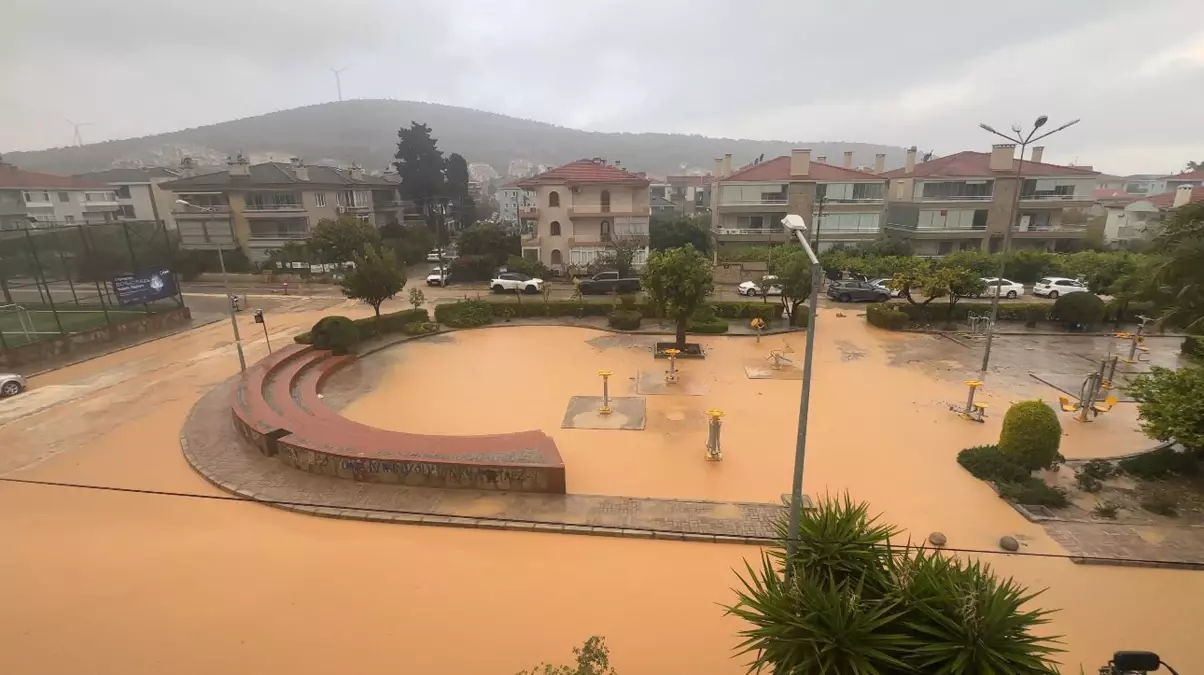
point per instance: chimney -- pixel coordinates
(1002, 156)
(727, 164)
(718, 173)
(618, 164)
(848, 159)
(357, 172)
(1038, 152)
(911, 160)
(800, 162)
(239, 166)
(1182, 196)
(879, 163)
(822, 159)
(299, 169)
(187, 167)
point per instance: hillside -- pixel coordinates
(366, 131)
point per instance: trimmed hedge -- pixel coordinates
(421, 328)
(707, 326)
(1014, 482)
(394, 322)
(1031, 435)
(534, 308)
(467, 313)
(336, 333)
(886, 316)
(624, 319)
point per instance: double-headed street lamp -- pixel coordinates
(796, 224)
(242, 360)
(1023, 140)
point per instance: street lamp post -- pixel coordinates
(1024, 141)
(221, 259)
(796, 224)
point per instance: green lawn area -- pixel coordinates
(42, 324)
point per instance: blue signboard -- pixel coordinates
(146, 286)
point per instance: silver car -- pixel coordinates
(11, 384)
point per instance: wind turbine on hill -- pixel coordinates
(76, 138)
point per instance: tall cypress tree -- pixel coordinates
(421, 166)
(457, 190)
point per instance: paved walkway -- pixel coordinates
(1130, 545)
(213, 448)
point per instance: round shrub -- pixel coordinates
(336, 333)
(885, 316)
(466, 313)
(1079, 310)
(421, 328)
(709, 327)
(1031, 435)
(1033, 314)
(624, 319)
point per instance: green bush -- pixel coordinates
(467, 313)
(937, 312)
(532, 268)
(987, 462)
(1034, 492)
(624, 319)
(1161, 463)
(1079, 310)
(1161, 502)
(421, 328)
(1099, 468)
(767, 312)
(473, 268)
(1031, 435)
(1087, 482)
(1106, 510)
(1193, 346)
(1033, 314)
(627, 301)
(711, 327)
(336, 333)
(886, 316)
(394, 322)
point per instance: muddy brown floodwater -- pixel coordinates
(103, 582)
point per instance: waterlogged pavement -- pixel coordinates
(145, 584)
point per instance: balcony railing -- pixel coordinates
(863, 200)
(216, 209)
(529, 212)
(958, 198)
(748, 231)
(1057, 198)
(937, 228)
(1052, 227)
(846, 228)
(754, 202)
(600, 209)
(292, 235)
(259, 206)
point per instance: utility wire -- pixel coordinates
(501, 519)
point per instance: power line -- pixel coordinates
(502, 519)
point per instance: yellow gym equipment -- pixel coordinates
(972, 410)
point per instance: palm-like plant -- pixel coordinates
(857, 605)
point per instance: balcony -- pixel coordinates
(601, 210)
(755, 202)
(1049, 199)
(940, 231)
(528, 213)
(101, 201)
(359, 207)
(1050, 230)
(278, 235)
(272, 210)
(957, 198)
(215, 211)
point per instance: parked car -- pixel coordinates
(882, 283)
(11, 384)
(848, 291)
(1052, 287)
(1005, 288)
(608, 282)
(438, 277)
(753, 288)
(516, 282)
(434, 255)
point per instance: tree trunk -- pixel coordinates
(683, 320)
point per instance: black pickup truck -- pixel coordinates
(608, 282)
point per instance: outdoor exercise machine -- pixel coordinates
(758, 324)
(671, 374)
(605, 409)
(980, 324)
(1136, 340)
(714, 453)
(972, 410)
(777, 357)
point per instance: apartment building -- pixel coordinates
(139, 196)
(261, 207)
(580, 209)
(690, 194)
(1187, 178)
(511, 198)
(33, 199)
(965, 202)
(1139, 218)
(841, 204)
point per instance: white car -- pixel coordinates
(882, 284)
(515, 282)
(438, 277)
(11, 384)
(753, 289)
(1004, 288)
(1052, 287)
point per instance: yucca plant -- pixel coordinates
(856, 605)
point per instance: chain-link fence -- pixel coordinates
(59, 279)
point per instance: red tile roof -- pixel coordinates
(12, 177)
(1198, 174)
(1109, 194)
(586, 171)
(970, 164)
(778, 168)
(1167, 199)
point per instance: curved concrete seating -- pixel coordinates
(277, 408)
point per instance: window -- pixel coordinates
(956, 189)
(604, 228)
(36, 196)
(606, 201)
(127, 211)
(553, 198)
(555, 226)
(64, 197)
(123, 192)
(557, 259)
(320, 198)
(68, 219)
(944, 248)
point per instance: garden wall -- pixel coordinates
(45, 350)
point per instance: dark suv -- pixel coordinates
(848, 291)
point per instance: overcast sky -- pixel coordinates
(899, 72)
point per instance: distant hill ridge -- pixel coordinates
(365, 131)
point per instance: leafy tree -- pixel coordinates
(457, 190)
(1194, 166)
(959, 282)
(1179, 271)
(980, 262)
(417, 297)
(856, 604)
(593, 658)
(1079, 310)
(621, 253)
(292, 252)
(794, 271)
(490, 240)
(666, 233)
(339, 241)
(919, 275)
(1028, 266)
(376, 277)
(532, 268)
(1170, 404)
(410, 242)
(678, 279)
(420, 165)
